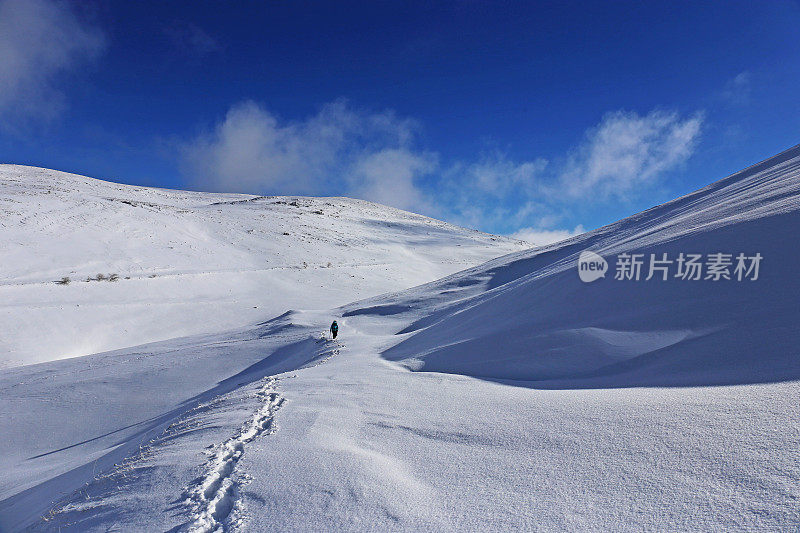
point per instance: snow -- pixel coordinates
(214, 495)
(191, 263)
(624, 333)
(507, 396)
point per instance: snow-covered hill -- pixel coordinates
(509, 396)
(189, 262)
(529, 316)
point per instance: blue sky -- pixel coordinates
(535, 118)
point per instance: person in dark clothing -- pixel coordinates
(334, 329)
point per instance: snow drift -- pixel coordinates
(528, 317)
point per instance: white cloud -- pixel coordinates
(250, 152)
(497, 175)
(343, 151)
(620, 157)
(39, 41)
(492, 190)
(541, 237)
(339, 151)
(737, 91)
(627, 151)
(388, 177)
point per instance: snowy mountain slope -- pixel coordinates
(565, 429)
(626, 332)
(537, 402)
(71, 420)
(193, 262)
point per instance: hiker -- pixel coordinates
(334, 329)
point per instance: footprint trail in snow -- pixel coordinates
(214, 496)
